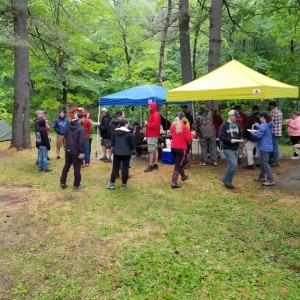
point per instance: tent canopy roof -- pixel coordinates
(138, 95)
(232, 81)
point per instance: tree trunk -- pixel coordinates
(161, 64)
(215, 34)
(21, 130)
(185, 49)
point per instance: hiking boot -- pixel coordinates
(63, 185)
(110, 186)
(57, 157)
(124, 187)
(274, 164)
(184, 177)
(149, 169)
(103, 157)
(175, 185)
(229, 185)
(268, 183)
(155, 167)
(249, 167)
(259, 179)
(108, 160)
(78, 187)
(203, 163)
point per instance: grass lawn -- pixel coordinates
(148, 242)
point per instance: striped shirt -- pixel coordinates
(276, 115)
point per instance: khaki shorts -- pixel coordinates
(60, 141)
(152, 144)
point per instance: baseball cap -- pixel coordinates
(103, 109)
(234, 113)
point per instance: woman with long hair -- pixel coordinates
(181, 135)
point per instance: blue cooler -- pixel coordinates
(167, 156)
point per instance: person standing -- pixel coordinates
(207, 135)
(75, 141)
(188, 115)
(294, 132)
(250, 141)
(152, 135)
(43, 145)
(60, 127)
(276, 115)
(230, 136)
(181, 135)
(122, 142)
(265, 147)
(241, 121)
(105, 134)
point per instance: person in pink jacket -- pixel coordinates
(294, 132)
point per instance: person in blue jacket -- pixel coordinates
(60, 127)
(265, 146)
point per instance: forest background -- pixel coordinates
(80, 50)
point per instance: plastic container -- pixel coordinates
(167, 157)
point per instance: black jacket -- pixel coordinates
(75, 136)
(41, 134)
(104, 127)
(122, 141)
(254, 118)
(229, 131)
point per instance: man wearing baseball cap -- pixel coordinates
(230, 136)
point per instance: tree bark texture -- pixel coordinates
(21, 129)
(185, 49)
(161, 64)
(215, 34)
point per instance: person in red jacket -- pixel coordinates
(152, 135)
(181, 135)
(88, 127)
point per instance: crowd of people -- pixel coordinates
(258, 133)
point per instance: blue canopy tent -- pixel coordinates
(137, 96)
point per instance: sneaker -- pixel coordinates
(110, 186)
(57, 157)
(259, 179)
(268, 183)
(149, 169)
(87, 165)
(294, 157)
(175, 185)
(249, 167)
(215, 163)
(108, 160)
(185, 177)
(274, 164)
(63, 185)
(229, 185)
(47, 170)
(124, 187)
(203, 163)
(78, 187)
(103, 157)
(41, 170)
(155, 167)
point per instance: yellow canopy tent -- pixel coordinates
(232, 81)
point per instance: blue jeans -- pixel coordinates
(265, 168)
(274, 156)
(42, 158)
(87, 152)
(232, 157)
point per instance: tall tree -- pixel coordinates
(21, 131)
(185, 49)
(215, 34)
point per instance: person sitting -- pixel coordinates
(138, 136)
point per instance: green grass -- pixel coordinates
(148, 242)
